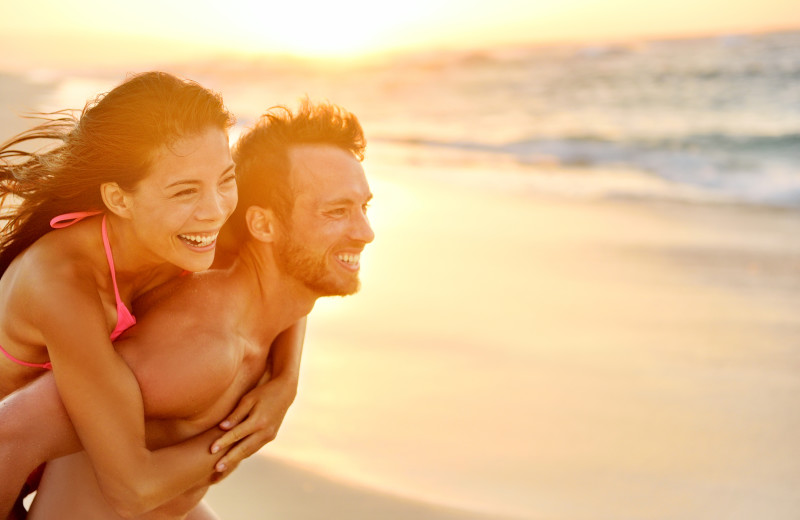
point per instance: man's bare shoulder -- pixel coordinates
(180, 347)
(184, 312)
(191, 289)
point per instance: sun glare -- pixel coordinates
(333, 29)
(323, 39)
(113, 32)
(343, 29)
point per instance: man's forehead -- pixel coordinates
(326, 172)
(313, 156)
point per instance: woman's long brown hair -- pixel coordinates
(113, 139)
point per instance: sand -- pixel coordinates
(271, 488)
(543, 357)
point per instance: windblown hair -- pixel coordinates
(262, 157)
(114, 139)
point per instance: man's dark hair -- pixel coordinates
(262, 156)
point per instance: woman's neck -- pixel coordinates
(137, 270)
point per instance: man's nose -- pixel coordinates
(362, 230)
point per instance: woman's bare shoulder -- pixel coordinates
(70, 250)
(60, 264)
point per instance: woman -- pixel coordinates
(141, 184)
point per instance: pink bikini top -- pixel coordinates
(125, 319)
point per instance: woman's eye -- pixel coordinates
(184, 193)
(229, 179)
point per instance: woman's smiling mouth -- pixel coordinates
(199, 240)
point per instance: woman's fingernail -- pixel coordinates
(226, 424)
(214, 448)
(221, 467)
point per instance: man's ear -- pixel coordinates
(115, 199)
(261, 223)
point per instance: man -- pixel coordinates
(203, 341)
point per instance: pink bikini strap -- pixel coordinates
(125, 319)
(46, 366)
(110, 257)
(67, 219)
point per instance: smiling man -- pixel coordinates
(202, 342)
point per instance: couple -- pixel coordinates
(202, 340)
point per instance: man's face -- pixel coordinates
(328, 226)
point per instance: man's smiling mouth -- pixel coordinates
(350, 259)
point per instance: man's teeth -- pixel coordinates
(199, 240)
(351, 259)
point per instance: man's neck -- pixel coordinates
(274, 300)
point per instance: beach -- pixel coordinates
(549, 358)
(292, 492)
(581, 302)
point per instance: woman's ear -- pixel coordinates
(261, 223)
(115, 199)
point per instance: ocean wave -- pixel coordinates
(598, 148)
(756, 169)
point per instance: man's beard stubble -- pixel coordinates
(312, 269)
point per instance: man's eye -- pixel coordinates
(338, 212)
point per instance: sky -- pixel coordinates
(53, 32)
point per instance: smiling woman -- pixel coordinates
(65, 294)
(136, 187)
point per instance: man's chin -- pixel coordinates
(337, 289)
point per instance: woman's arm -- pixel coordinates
(35, 428)
(102, 397)
(264, 408)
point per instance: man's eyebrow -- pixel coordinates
(345, 200)
(195, 181)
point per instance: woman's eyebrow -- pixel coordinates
(195, 181)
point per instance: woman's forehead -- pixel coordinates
(196, 156)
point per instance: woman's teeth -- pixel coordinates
(199, 240)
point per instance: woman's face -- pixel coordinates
(177, 210)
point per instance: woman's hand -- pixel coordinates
(255, 421)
